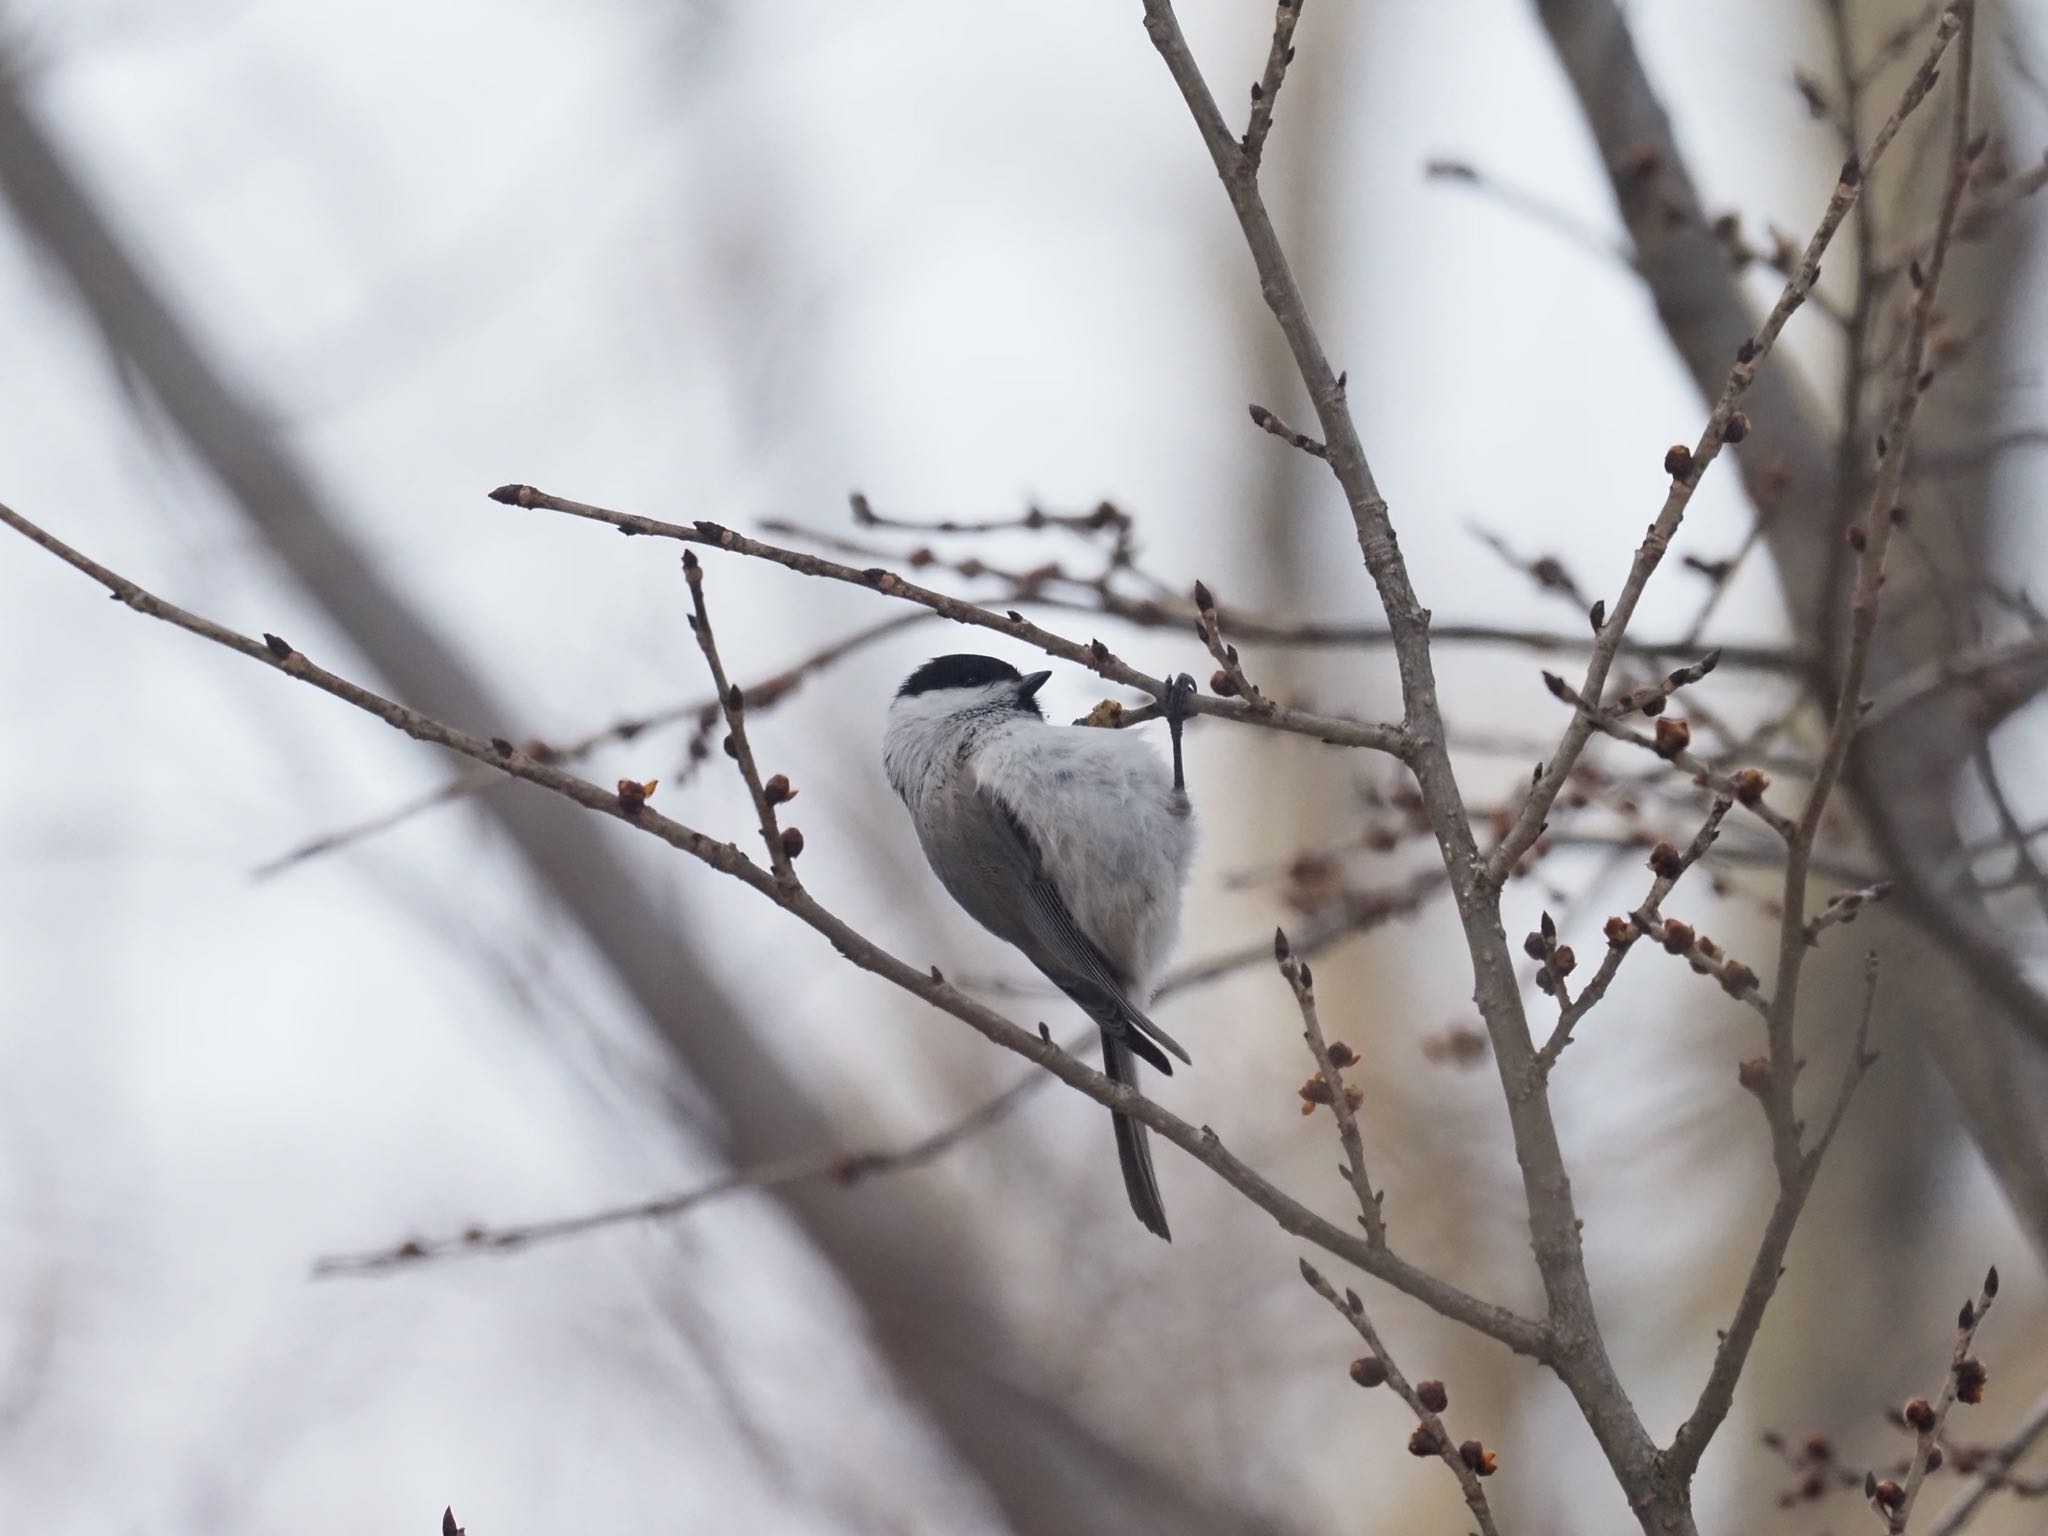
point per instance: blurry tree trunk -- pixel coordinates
(907, 1263)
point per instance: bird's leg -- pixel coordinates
(1178, 691)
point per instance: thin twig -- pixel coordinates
(840, 1168)
(1965, 1379)
(1106, 517)
(732, 702)
(1745, 786)
(1330, 1074)
(1230, 679)
(1431, 1438)
(1266, 93)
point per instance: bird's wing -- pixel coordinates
(989, 862)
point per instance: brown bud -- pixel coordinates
(1885, 1493)
(633, 795)
(1368, 1372)
(1431, 1395)
(1737, 978)
(1678, 461)
(792, 842)
(1755, 1074)
(1203, 599)
(1478, 1458)
(1677, 937)
(1858, 537)
(278, 648)
(1970, 1379)
(1934, 1458)
(1341, 1055)
(1736, 429)
(501, 746)
(1919, 1415)
(1221, 685)
(1563, 961)
(1749, 785)
(1534, 947)
(1619, 931)
(1665, 862)
(1991, 1281)
(777, 791)
(1423, 1443)
(1281, 948)
(1316, 1091)
(1673, 737)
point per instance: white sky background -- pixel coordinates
(698, 263)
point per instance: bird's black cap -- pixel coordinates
(968, 671)
(963, 671)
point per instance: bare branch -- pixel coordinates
(1203, 1144)
(1095, 656)
(1580, 1358)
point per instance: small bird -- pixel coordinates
(1071, 843)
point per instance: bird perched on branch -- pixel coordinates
(1072, 843)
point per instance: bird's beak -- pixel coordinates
(1031, 685)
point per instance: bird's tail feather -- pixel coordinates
(1144, 1038)
(1133, 1147)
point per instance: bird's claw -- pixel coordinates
(1178, 691)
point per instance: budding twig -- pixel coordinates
(1965, 1379)
(1266, 94)
(1230, 679)
(1468, 1462)
(1668, 867)
(1330, 1074)
(782, 845)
